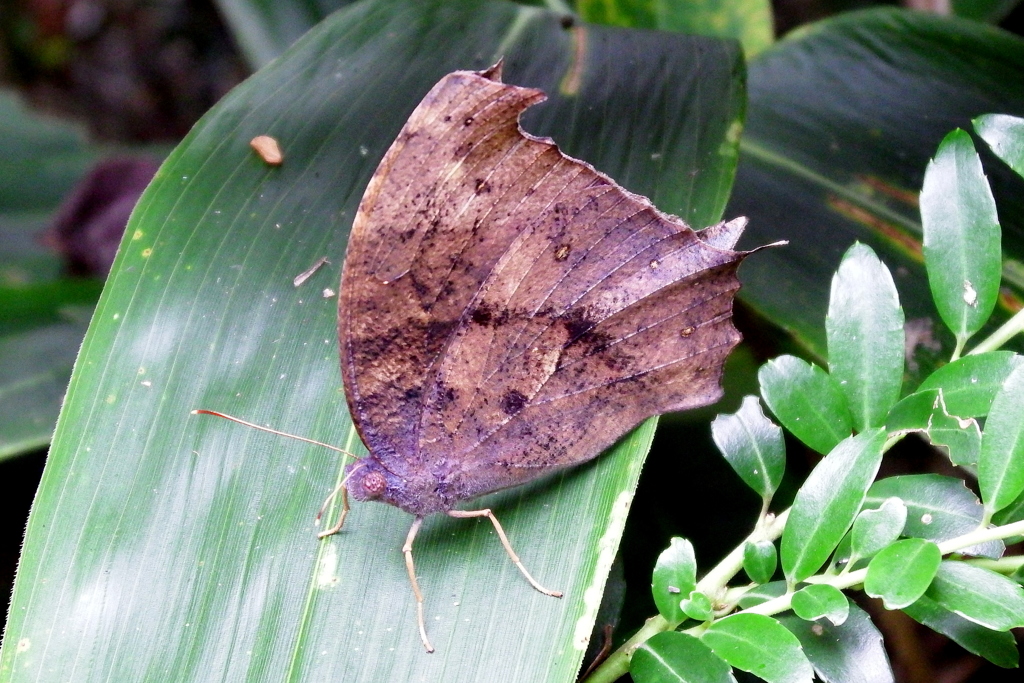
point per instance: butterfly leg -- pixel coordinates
(344, 510)
(407, 551)
(462, 514)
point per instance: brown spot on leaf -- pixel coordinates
(562, 252)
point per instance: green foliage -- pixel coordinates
(674, 656)
(821, 601)
(760, 559)
(828, 502)
(961, 237)
(875, 529)
(761, 646)
(887, 537)
(807, 401)
(753, 445)
(748, 21)
(675, 577)
(865, 335)
(902, 572)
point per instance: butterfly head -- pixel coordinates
(369, 479)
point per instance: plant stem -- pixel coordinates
(996, 340)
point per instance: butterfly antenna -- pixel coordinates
(274, 431)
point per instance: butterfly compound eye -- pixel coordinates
(374, 484)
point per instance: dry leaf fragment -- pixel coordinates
(308, 273)
(268, 149)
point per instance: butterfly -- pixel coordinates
(507, 311)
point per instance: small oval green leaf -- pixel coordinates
(753, 445)
(675, 576)
(673, 657)
(1005, 135)
(875, 529)
(1001, 463)
(902, 572)
(827, 503)
(864, 327)
(962, 238)
(819, 601)
(807, 401)
(760, 560)
(970, 383)
(978, 595)
(697, 606)
(759, 645)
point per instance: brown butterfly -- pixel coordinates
(507, 311)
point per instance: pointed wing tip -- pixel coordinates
(493, 72)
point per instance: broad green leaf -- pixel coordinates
(165, 546)
(925, 412)
(675, 576)
(807, 401)
(43, 158)
(843, 117)
(1005, 135)
(263, 29)
(671, 656)
(827, 503)
(875, 529)
(1001, 463)
(753, 446)
(851, 652)
(865, 336)
(938, 508)
(759, 645)
(998, 647)
(970, 383)
(983, 10)
(40, 331)
(760, 561)
(697, 606)
(902, 572)
(978, 595)
(821, 601)
(34, 370)
(962, 237)
(748, 21)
